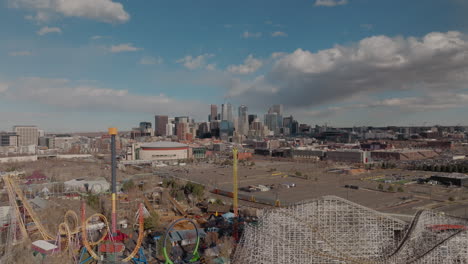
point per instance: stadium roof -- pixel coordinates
(164, 144)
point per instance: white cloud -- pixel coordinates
(39, 17)
(126, 47)
(259, 85)
(276, 55)
(279, 34)
(20, 53)
(66, 95)
(435, 101)
(98, 37)
(47, 30)
(193, 63)
(248, 34)
(211, 67)
(148, 60)
(374, 65)
(3, 87)
(101, 10)
(250, 65)
(330, 3)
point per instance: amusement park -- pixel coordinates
(166, 219)
(117, 227)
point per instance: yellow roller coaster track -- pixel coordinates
(89, 245)
(63, 228)
(14, 188)
(12, 198)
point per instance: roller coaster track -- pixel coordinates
(407, 235)
(65, 234)
(89, 245)
(18, 217)
(84, 233)
(437, 246)
(15, 189)
(175, 204)
(407, 239)
(345, 257)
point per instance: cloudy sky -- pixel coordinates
(85, 65)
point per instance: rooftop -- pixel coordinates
(452, 175)
(164, 144)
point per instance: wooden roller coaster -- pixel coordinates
(70, 229)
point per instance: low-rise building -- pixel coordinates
(457, 179)
(403, 154)
(351, 156)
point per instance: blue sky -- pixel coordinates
(85, 65)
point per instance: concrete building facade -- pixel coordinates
(163, 151)
(350, 156)
(8, 139)
(27, 135)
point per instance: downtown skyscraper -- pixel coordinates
(243, 121)
(160, 123)
(226, 112)
(213, 113)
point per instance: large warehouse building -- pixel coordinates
(162, 151)
(457, 179)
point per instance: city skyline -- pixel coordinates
(68, 68)
(275, 111)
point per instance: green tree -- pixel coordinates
(128, 185)
(400, 189)
(151, 221)
(193, 188)
(445, 168)
(390, 189)
(170, 183)
(93, 201)
(178, 194)
(380, 187)
(298, 173)
(451, 199)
